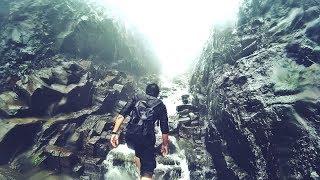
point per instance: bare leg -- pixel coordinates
(137, 162)
(146, 177)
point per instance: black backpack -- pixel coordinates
(142, 117)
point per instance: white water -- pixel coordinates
(120, 164)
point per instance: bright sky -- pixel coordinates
(177, 29)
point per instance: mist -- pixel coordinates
(177, 30)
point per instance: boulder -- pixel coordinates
(16, 136)
(193, 117)
(37, 94)
(56, 90)
(185, 98)
(78, 169)
(75, 141)
(8, 174)
(100, 126)
(11, 105)
(184, 113)
(187, 106)
(59, 157)
(108, 102)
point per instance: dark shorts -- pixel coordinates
(145, 150)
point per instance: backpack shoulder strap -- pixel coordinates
(155, 103)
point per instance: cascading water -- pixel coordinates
(120, 164)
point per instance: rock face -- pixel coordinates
(60, 118)
(190, 130)
(34, 32)
(261, 92)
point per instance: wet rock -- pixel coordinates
(58, 157)
(21, 163)
(313, 30)
(118, 88)
(16, 136)
(171, 173)
(11, 106)
(102, 150)
(193, 117)
(184, 113)
(8, 174)
(100, 126)
(75, 140)
(250, 49)
(120, 105)
(108, 102)
(186, 131)
(98, 123)
(37, 94)
(94, 140)
(303, 54)
(185, 98)
(262, 122)
(188, 107)
(62, 89)
(92, 167)
(104, 135)
(120, 164)
(78, 169)
(184, 120)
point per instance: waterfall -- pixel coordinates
(119, 164)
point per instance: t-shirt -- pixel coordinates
(160, 112)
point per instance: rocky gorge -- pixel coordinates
(250, 109)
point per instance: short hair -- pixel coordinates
(153, 90)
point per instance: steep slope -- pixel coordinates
(259, 83)
(33, 32)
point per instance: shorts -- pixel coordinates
(145, 150)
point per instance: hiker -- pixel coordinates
(145, 110)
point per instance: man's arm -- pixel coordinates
(165, 130)
(114, 140)
(118, 120)
(117, 123)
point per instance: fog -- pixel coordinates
(177, 29)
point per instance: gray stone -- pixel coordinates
(17, 135)
(59, 157)
(11, 105)
(100, 126)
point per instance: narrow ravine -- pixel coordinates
(250, 109)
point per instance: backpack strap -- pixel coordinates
(156, 104)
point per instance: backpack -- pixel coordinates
(142, 117)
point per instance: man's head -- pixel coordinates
(153, 90)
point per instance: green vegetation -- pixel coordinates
(37, 159)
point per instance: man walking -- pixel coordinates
(145, 110)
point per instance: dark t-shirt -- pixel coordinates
(160, 112)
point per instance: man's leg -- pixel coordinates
(146, 177)
(148, 163)
(138, 163)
